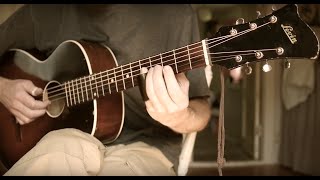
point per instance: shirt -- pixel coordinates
(132, 32)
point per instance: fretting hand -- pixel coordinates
(168, 96)
(17, 97)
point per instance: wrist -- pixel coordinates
(184, 121)
(2, 84)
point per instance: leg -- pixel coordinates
(136, 159)
(62, 152)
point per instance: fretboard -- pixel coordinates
(123, 77)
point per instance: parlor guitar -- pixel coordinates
(85, 84)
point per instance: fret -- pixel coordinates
(77, 90)
(205, 53)
(70, 95)
(66, 92)
(150, 62)
(97, 90)
(108, 79)
(115, 77)
(175, 60)
(161, 59)
(189, 57)
(102, 84)
(132, 75)
(74, 95)
(91, 87)
(124, 83)
(85, 84)
(81, 90)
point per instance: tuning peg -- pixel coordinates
(248, 69)
(287, 64)
(258, 14)
(253, 26)
(259, 55)
(240, 21)
(273, 8)
(280, 50)
(273, 19)
(266, 67)
(233, 32)
(238, 58)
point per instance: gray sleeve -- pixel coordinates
(197, 77)
(17, 31)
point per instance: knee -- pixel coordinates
(68, 141)
(63, 136)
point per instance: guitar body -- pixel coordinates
(102, 117)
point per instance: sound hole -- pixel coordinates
(56, 94)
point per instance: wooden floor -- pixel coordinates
(261, 170)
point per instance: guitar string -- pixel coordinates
(133, 72)
(209, 41)
(102, 90)
(115, 73)
(148, 59)
(78, 86)
(113, 84)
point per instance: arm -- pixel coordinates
(17, 95)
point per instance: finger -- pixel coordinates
(20, 118)
(33, 104)
(183, 82)
(19, 121)
(161, 90)
(32, 89)
(149, 106)
(174, 89)
(30, 114)
(151, 93)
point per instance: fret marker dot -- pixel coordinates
(127, 76)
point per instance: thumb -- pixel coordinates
(32, 89)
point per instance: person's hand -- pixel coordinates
(17, 97)
(168, 95)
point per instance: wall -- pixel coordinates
(7, 9)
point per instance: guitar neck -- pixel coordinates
(126, 76)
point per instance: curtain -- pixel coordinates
(300, 138)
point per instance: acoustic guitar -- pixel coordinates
(85, 84)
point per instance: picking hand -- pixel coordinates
(17, 97)
(168, 95)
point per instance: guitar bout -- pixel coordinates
(57, 105)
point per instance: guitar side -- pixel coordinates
(102, 117)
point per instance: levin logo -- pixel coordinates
(289, 32)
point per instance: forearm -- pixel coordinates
(2, 81)
(194, 118)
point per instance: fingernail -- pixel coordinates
(144, 70)
(34, 91)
